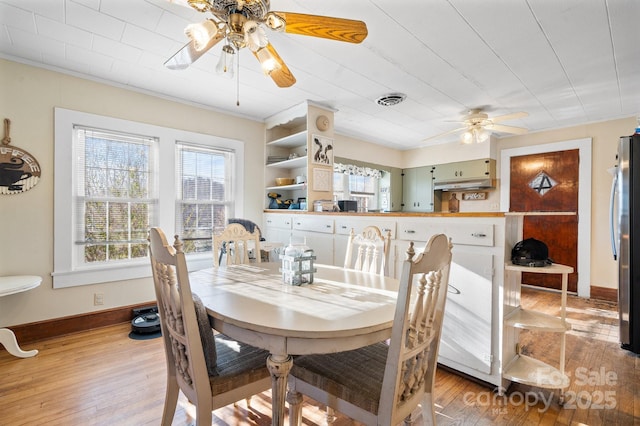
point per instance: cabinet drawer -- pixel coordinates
(313, 224)
(417, 231)
(460, 233)
(343, 226)
(278, 221)
(470, 234)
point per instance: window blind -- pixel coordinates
(204, 194)
(115, 193)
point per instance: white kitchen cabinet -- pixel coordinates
(475, 336)
(472, 331)
(343, 226)
(318, 234)
(417, 190)
(277, 228)
(524, 369)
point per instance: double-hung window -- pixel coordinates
(114, 179)
(116, 195)
(205, 194)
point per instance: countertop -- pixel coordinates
(390, 214)
(417, 214)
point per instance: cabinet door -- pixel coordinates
(339, 249)
(475, 168)
(467, 326)
(409, 190)
(424, 189)
(277, 229)
(321, 243)
(462, 170)
(446, 172)
(343, 227)
(417, 189)
(318, 234)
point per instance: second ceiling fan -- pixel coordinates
(242, 22)
(478, 126)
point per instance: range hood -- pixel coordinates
(464, 185)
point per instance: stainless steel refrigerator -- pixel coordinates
(625, 238)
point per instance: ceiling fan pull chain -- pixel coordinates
(238, 79)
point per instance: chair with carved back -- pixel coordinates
(233, 244)
(368, 250)
(385, 384)
(212, 371)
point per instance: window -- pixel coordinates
(362, 184)
(204, 194)
(116, 195)
(116, 178)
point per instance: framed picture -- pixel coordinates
(322, 179)
(322, 149)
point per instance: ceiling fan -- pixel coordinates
(478, 126)
(242, 22)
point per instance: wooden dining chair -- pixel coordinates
(368, 251)
(385, 384)
(234, 243)
(212, 371)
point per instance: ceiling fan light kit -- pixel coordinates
(268, 62)
(476, 134)
(225, 64)
(241, 23)
(478, 127)
(201, 33)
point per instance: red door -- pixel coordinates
(548, 182)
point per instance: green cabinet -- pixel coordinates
(465, 170)
(417, 189)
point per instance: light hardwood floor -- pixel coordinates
(102, 377)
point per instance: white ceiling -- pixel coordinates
(565, 62)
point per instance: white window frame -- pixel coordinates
(228, 203)
(66, 272)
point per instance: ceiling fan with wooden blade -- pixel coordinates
(478, 126)
(241, 23)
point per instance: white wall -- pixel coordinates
(347, 147)
(449, 153)
(28, 97)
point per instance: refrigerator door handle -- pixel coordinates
(612, 202)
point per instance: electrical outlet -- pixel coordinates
(98, 299)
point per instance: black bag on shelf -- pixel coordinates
(530, 252)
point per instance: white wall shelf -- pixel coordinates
(291, 141)
(287, 187)
(525, 369)
(292, 163)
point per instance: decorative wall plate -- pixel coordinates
(19, 170)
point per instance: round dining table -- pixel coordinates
(342, 309)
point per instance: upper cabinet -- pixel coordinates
(417, 190)
(290, 142)
(465, 170)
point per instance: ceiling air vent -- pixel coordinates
(391, 99)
